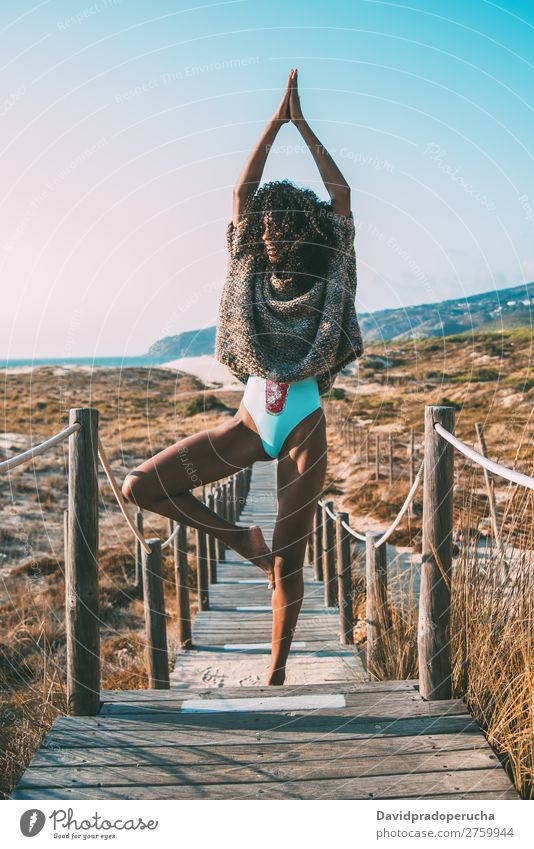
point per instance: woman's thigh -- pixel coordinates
(198, 459)
(300, 479)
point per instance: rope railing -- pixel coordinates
(491, 465)
(329, 549)
(118, 495)
(353, 533)
(18, 459)
(120, 499)
(385, 536)
(403, 509)
(172, 537)
(327, 510)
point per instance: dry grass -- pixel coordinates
(492, 639)
(492, 623)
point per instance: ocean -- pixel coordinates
(121, 362)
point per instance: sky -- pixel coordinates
(125, 125)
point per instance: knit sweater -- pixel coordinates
(267, 328)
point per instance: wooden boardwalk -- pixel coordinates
(218, 734)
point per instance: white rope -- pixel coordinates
(497, 468)
(354, 533)
(403, 509)
(395, 522)
(171, 538)
(18, 459)
(119, 497)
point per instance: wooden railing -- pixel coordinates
(329, 551)
(330, 555)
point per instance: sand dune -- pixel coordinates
(207, 369)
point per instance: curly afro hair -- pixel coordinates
(303, 221)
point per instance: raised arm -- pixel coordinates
(335, 183)
(250, 176)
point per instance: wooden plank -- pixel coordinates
(195, 729)
(376, 747)
(348, 687)
(385, 701)
(417, 786)
(145, 772)
(382, 711)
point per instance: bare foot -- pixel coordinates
(276, 677)
(253, 547)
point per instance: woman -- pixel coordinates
(287, 326)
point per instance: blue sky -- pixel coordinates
(126, 124)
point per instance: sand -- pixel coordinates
(207, 369)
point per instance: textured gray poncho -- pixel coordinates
(265, 327)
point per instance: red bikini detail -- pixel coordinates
(275, 396)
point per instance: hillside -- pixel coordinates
(488, 311)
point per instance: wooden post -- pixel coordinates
(202, 570)
(344, 580)
(318, 544)
(65, 539)
(433, 638)
(81, 568)
(377, 455)
(309, 546)
(155, 617)
(411, 510)
(182, 588)
(377, 614)
(231, 503)
(238, 494)
(139, 551)
(221, 548)
(329, 556)
(489, 487)
(212, 548)
(224, 507)
(390, 446)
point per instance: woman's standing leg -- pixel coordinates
(162, 484)
(300, 479)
